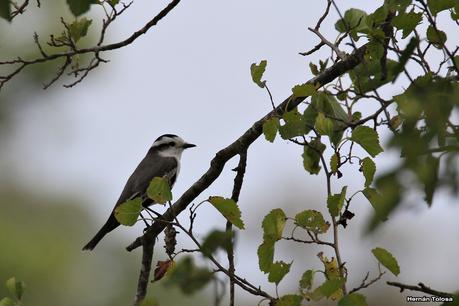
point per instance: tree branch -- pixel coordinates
(22, 63)
(147, 256)
(238, 180)
(421, 288)
(242, 143)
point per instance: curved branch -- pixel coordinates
(242, 144)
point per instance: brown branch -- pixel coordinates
(338, 52)
(19, 9)
(421, 288)
(147, 256)
(242, 143)
(238, 180)
(313, 241)
(366, 284)
(321, 19)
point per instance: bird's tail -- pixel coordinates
(109, 226)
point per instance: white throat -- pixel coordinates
(177, 154)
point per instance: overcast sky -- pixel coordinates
(190, 76)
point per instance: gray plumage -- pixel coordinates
(148, 168)
(162, 160)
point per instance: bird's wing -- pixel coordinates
(148, 168)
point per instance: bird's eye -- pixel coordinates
(171, 144)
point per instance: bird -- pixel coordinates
(162, 160)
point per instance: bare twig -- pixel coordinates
(421, 288)
(338, 52)
(21, 63)
(238, 180)
(365, 283)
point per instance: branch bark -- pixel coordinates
(242, 143)
(238, 181)
(147, 257)
(421, 288)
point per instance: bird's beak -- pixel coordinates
(188, 145)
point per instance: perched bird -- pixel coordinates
(162, 160)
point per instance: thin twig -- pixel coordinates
(238, 180)
(73, 51)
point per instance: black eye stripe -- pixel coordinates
(164, 145)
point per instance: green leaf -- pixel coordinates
(266, 255)
(387, 260)
(324, 125)
(374, 198)
(290, 300)
(229, 209)
(378, 17)
(16, 288)
(257, 73)
(273, 225)
(427, 172)
(159, 190)
(336, 201)
(113, 2)
(368, 139)
(311, 156)
(354, 21)
(334, 163)
(78, 7)
(331, 287)
(307, 279)
(456, 60)
(368, 76)
(375, 48)
(7, 302)
(314, 69)
(303, 90)
(294, 125)
(215, 240)
(5, 9)
(437, 6)
(327, 104)
(353, 299)
(436, 37)
(79, 28)
(277, 271)
(390, 191)
(270, 128)
(368, 168)
(188, 277)
(407, 22)
(312, 220)
(128, 212)
(404, 57)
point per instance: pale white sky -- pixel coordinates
(190, 76)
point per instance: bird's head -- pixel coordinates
(169, 145)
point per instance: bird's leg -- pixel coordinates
(144, 220)
(151, 211)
